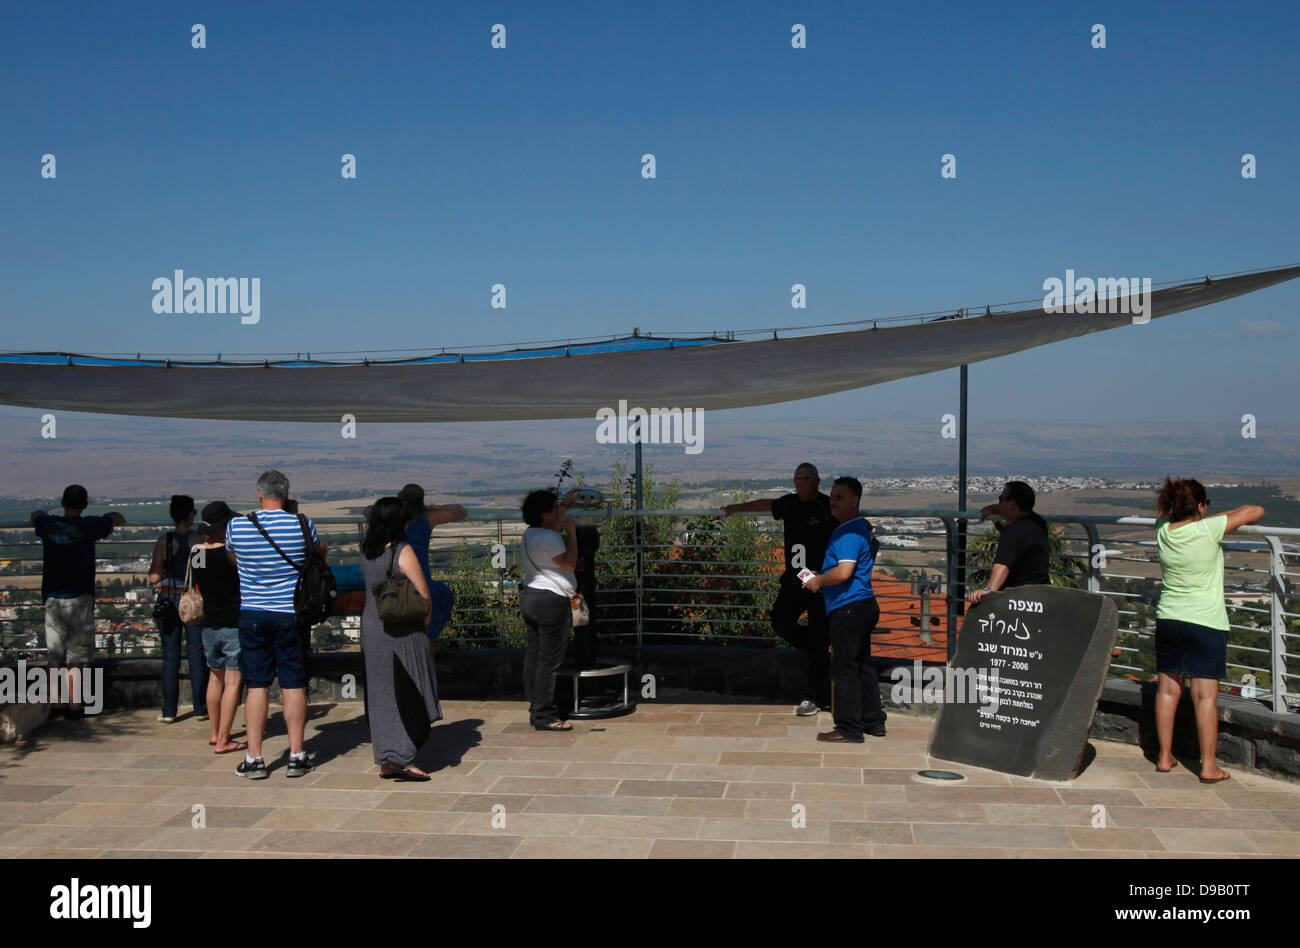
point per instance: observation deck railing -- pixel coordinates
(692, 576)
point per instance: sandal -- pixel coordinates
(554, 726)
(1225, 776)
(405, 774)
(230, 750)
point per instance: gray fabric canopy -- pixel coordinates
(717, 375)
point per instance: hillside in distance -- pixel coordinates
(136, 457)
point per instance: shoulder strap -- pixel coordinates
(167, 560)
(307, 547)
(526, 553)
(262, 530)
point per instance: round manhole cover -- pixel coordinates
(939, 775)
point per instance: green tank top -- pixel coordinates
(1191, 560)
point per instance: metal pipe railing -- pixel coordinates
(648, 590)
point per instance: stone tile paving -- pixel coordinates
(670, 781)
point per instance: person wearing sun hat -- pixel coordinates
(218, 583)
(421, 521)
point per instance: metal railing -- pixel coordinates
(692, 576)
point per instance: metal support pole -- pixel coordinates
(952, 606)
(961, 451)
(961, 523)
(637, 540)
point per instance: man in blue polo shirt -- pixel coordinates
(269, 638)
(852, 613)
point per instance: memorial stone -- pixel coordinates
(1041, 654)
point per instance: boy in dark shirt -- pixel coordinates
(1024, 554)
(806, 515)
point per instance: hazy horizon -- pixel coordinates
(150, 457)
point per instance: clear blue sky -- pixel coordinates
(775, 166)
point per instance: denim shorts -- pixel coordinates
(269, 648)
(221, 647)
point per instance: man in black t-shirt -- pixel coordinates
(806, 516)
(1024, 555)
(68, 583)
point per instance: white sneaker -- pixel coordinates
(165, 720)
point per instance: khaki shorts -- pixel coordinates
(69, 630)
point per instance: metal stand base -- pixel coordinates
(595, 707)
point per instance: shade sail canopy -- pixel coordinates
(567, 381)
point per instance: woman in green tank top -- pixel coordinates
(1191, 620)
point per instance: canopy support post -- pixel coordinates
(960, 592)
(638, 482)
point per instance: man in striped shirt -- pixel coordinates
(269, 639)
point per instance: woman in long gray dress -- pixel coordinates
(401, 685)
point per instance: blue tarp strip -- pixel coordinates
(633, 343)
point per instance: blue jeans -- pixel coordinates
(171, 669)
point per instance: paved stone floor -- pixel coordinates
(672, 780)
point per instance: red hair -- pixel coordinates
(1179, 499)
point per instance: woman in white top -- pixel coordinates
(549, 553)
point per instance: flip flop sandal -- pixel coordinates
(1225, 776)
(405, 774)
(237, 747)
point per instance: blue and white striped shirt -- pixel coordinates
(266, 581)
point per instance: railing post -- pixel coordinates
(501, 595)
(1094, 541)
(639, 576)
(1276, 639)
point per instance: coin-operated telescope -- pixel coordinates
(584, 504)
